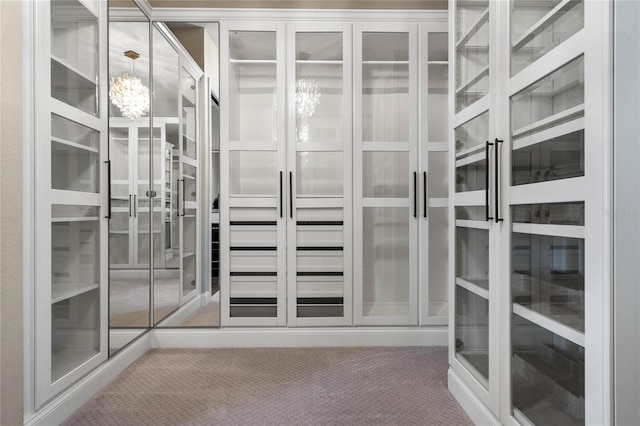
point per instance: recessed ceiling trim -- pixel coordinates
(307, 15)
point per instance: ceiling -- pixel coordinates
(306, 4)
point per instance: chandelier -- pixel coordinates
(307, 99)
(128, 93)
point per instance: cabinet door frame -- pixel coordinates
(411, 147)
(292, 148)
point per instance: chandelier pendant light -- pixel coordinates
(307, 99)
(128, 93)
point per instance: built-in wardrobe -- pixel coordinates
(333, 187)
(530, 336)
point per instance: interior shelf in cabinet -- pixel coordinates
(471, 150)
(188, 102)
(63, 291)
(120, 232)
(475, 224)
(141, 231)
(568, 231)
(484, 18)
(548, 19)
(437, 62)
(64, 66)
(484, 72)
(189, 216)
(474, 288)
(478, 360)
(74, 219)
(189, 138)
(385, 62)
(189, 177)
(188, 254)
(73, 144)
(252, 61)
(480, 156)
(65, 360)
(319, 61)
(550, 324)
(550, 121)
(548, 134)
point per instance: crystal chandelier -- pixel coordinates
(128, 93)
(307, 99)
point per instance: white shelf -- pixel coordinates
(252, 61)
(568, 231)
(319, 61)
(474, 224)
(73, 144)
(188, 254)
(550, 324)
(471, 159)
(548, 19)
(484, 72)
(484, 18)
(64, 291)
(437, 62)
(73, 69)
(473, 288)
(74, 219)
(120, 232)
(189, 177)
(549, 121)
(471, 150)
(385, 62)
(67, 360)
(548, 134)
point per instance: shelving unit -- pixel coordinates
(70, 225)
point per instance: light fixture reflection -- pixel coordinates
(307, 99)
(128, 93)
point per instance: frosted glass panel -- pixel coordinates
(319, 46)
(189, 135)
(547, 374)
(385, 174)
(438, 177)
(74, 55)
(385, 102)
(189, 175)
(471, 176)
(320, 174)
(538, 27)
(473, 134)
(385, 46)
(549, 101)
(472, 330)
(253, 173)
(472, 52)
(252, 86)
(386, 270)
(438, 255)
(75, 156)
(438, 102)
(472, 256)
(189, 252)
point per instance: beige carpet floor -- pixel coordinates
(279, 386)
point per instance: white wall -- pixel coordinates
(11, 179)
(627, 213)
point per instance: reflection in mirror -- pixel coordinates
(129, 276)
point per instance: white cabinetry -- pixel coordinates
(71, 203)
(530, 289)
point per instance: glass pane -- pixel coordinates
(537, 27)
(386, 271)
(75, 156)
(438, 178)
(189, 252)
(556, 158)
(438, 258)
(253, 173)
(472, 330)
(548, 276)
(471, 213)
(547, 375)
(472, 52)
(385, 174)
(75, 282)
(320, 174)
(438, 46)
(319, 87)
(385, 87)
(549, 101)
(438, 102)
(252, 87)
(550, 214)
(472, 176)
(189, 175)
(472, 135)
(189, 133)
(472, 256)
(74, 55)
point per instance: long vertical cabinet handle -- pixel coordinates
(178, 198)
(108, 163)
(184, 191)
(291, 195)
(497, 175)
(486, 181)
(281, 194)
(424, 194)
(415, 194)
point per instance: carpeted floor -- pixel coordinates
(279, 386)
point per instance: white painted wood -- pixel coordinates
(475, 408)
(568, 231)
(550, 324)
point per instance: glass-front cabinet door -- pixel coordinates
(70, 203)
(385, 168)
(253, 208)
(319, 162)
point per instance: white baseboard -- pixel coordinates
(59, 409)
(298, 337)
(470, 403)
(120, 337)
(185, 311)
